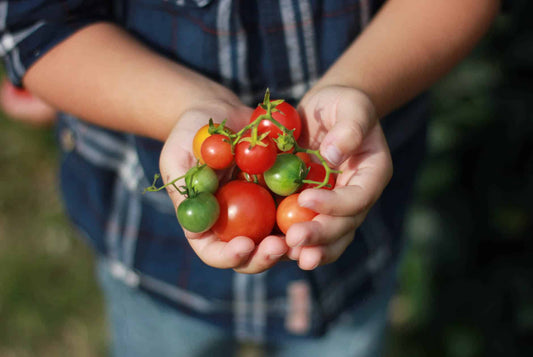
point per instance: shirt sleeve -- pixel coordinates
(30, 28)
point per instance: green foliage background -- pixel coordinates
(466, 282)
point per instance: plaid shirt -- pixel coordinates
(246, 45)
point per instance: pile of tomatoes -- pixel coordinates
(269, 170)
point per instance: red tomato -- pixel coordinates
(246, 209)
(317, 172)
(243, 176)
(290, 212)
(216, 152)
(288, 117)
(305, 157)
(255, 160)
(198, 140)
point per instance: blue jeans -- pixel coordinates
(144, 327)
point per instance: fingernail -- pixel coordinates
(308, 200)
(314, 266)
(333, 155)
(246, 253)
(275, 256)
(299, 243)
(307, 204)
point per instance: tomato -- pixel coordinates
(216, 151)
(304, 156)
(290, 212)
(286, 175)
(204, 179)
(198, 213)
(198, 140)
(246, 209)
(288, 117)
(257, 159)
(317, 172)
(243, 176)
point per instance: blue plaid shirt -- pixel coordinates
(246, 45)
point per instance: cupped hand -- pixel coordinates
(241, 253)
(342, 123)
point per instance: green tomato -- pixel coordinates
(204, 179)
(285, 176)
(199, 213)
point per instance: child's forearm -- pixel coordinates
(408, 46)
(105, 76)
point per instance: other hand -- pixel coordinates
(342, 122)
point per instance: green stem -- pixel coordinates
(316, 153)
(154, 188)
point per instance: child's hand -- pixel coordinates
(240, 253)
(342, 122)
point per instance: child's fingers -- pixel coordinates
(353, 118)
(323, 229)
(267, 253)
(314, 256)
(363, 180)
(222, 255)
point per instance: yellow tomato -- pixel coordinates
(198, 140)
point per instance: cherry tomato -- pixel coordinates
(304, 157)
(243, 176)
(317, 172)
(257, 159)
(290, 212)
(199, 213)
(216, 152)
(198, 140)
(204, 179)
(288, 117)
(246, 209)
(286, 175)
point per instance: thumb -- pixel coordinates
(354, 117)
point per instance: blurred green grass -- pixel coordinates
(49, 302)
(465, 285)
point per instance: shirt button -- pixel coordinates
(67, 140)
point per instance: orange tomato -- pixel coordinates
(290, 212)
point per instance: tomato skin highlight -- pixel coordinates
(317, 172)
(246, 209)
(288, 117)
(197, 214)
(257, 159)
(285, 176)
(290, 212)
(216, 152)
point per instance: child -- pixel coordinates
(138, 74)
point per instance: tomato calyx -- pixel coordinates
(255, 139)
(285, 142)
(221, 128)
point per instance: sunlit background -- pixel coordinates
(466, 286)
